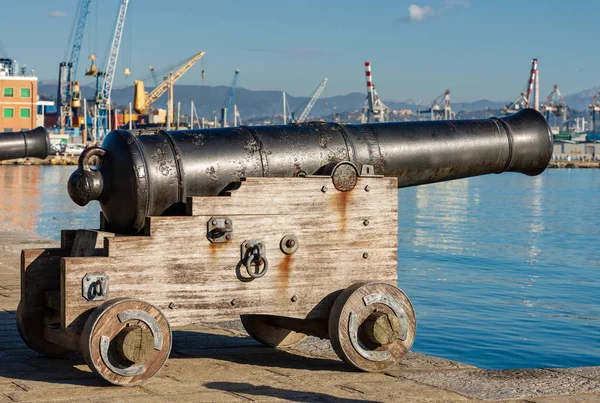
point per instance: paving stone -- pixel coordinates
(587, 372)
(593, 398)
(506, 384)
(267, 393)
(75, 393)
(404, 390)
(421, 362)
(202, 397)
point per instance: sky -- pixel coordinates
(479, 49)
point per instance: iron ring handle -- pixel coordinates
(248, 265)
(86, 184)
(88, 153)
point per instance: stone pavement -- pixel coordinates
(211, 363)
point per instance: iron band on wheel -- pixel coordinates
(255, 257)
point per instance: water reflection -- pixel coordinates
(446, 204)
(503, 263)
(537, 212)
(35, 201)
(21, 200)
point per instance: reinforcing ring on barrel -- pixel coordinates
(254, 256)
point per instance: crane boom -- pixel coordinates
(231, 97)
(111, 65)
(68, 70)
(524, 99)
(164, 86)
(312, 101)
(84, 10)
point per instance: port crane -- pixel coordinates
(143, 101)
(310, 103)
(524, 99)
(441, 108)
(374, 110)
(594, 109)
(69, 94)
(556, 105)
(230, 104)
(104, 79)
(305, 106)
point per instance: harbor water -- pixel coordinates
(502, 269)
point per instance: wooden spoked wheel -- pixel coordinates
(31, 330)
(126, 341)
(259, 329)
(372, 326)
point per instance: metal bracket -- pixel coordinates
(368, 171)
(289, 244)
(94, 286)
(219, 229)
(251, 243)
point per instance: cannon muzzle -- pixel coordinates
(23, 144)
(148, 175)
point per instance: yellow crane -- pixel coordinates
(142, 101)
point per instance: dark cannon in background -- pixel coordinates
(292, 228)
(24, 144)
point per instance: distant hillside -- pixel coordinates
(260, 104)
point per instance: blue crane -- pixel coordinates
(104, 85)
(230, 100)
(68, 92)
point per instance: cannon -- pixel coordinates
(293, 229)
(24, 144)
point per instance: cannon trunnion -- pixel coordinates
(295, 241)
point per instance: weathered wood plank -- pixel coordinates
(89, 242)
(297, 196)
(63, 338)
(176, 268)
(40, 272)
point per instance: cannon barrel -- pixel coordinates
(139, 176)
(23, 144)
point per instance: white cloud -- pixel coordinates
(57, 14)
(417, 13)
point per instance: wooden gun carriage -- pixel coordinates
(298, 240)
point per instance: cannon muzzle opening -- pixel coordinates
(33, 143)
(150, 175)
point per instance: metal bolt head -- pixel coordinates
(228, 236)
(87, 278)
(214, 222)
(367, 188)
(366, 222)
(366, 255)
(233, 302)
(290, 243)
(172, 305)
(227, 222)
(294, 298)
(324, 189)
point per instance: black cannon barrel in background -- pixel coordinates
(149, 175)
(23, 144)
